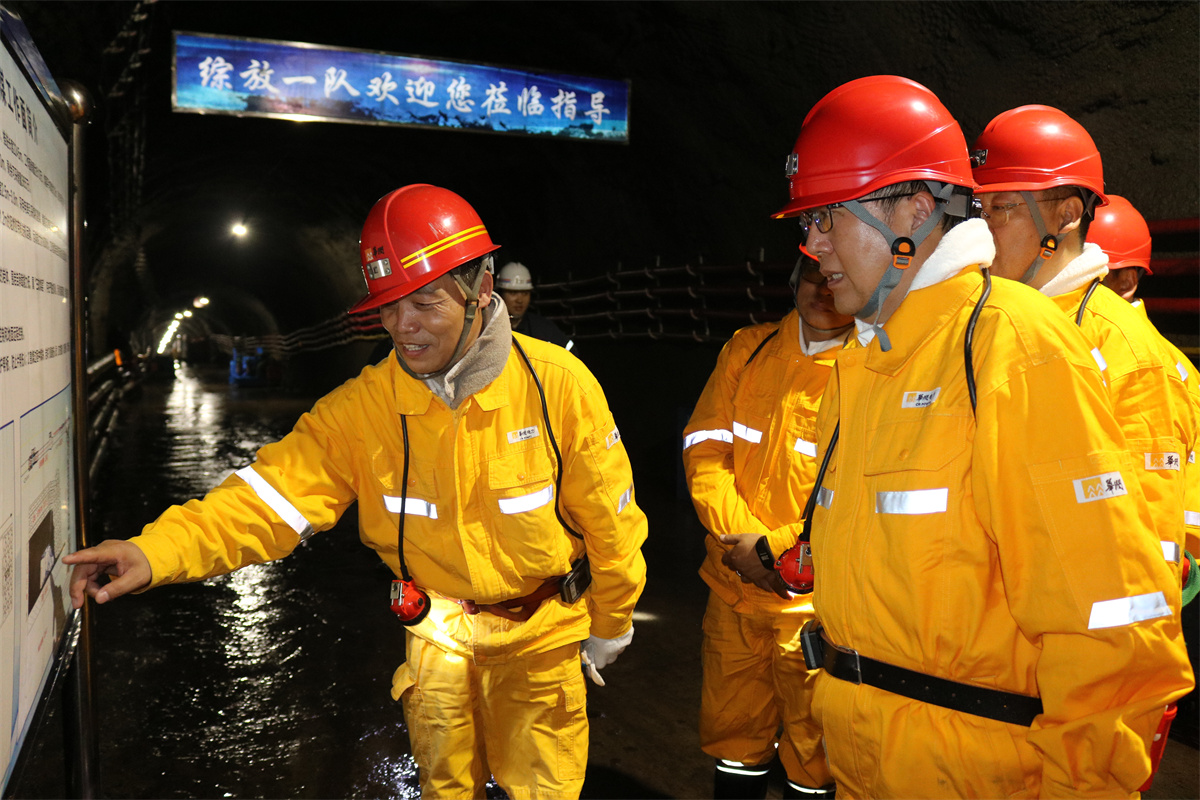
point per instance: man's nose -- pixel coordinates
(817, 242)
(399, 319)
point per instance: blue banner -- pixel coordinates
(293, 80)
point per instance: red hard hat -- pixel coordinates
(871, 133)
(412, 237)
(1037, 147)
(1122, 234)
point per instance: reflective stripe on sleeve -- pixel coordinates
(267, 493)
(1170, 551)
(696, 437)
(824, 497)
(526, 502)
(1183, 372)
(1191, 517)
(625, 498)
(749, 434)
(920, 501)
(806, 448)
(570, 344)
(1100, 362)
(412, 506)
(1128, 610)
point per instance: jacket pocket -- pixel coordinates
(916, 474)
(520, 501)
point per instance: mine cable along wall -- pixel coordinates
(700, 303)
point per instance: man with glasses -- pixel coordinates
(749, 451)
(994, 617)
(1042, 179)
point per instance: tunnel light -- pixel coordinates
(239, 229)
(178, 315)
(200, 302)
(167, 337)
(187, 312)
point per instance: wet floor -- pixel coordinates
(274, 681)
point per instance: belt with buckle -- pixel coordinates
(847, 665)
(517, 609)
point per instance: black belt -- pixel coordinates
(847, 665)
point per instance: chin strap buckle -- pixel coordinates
(903, 251)
(1049, 247)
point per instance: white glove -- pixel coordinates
(597, 653)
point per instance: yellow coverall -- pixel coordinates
(750, 459)
(483, 694)
(1188, 408)
(1150, 401)
(1009, 548)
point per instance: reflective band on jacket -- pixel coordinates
(1100, 362)
(412, 506)
(1191, 517)
(526, 502)
(824, 497)
(734, 768)
(570, 344)
(920, 501)
(1170, 551)
(286, 511)
(1183, 373)
(625, 498)
(721, 435)
(749, 434)
(805, 448)
(1128, 610)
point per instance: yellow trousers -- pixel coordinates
(524, 721)
(755, 682)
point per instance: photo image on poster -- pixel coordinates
(42, 557)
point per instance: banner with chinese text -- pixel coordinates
(294, 80)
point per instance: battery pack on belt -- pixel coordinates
(848, 665)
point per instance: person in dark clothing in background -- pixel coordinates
(515, 285)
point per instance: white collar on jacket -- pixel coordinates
(964, 245)
(1092, 263)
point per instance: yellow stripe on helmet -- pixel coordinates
(439, 246)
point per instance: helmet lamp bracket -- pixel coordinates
(792, 165)
(380, 268)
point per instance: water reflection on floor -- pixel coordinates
(274, 681)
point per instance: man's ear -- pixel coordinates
(485, 289)
(923, 206)
(1068, 214)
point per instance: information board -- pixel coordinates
(37, 481)
(294, 80)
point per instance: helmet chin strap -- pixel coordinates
(1049, 242)
(471, 293)
(903, 249)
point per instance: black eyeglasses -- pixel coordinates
(822, 217)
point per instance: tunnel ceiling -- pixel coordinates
(718, 94)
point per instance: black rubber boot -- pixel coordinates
(737, 782)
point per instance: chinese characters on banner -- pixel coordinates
(257, 77)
